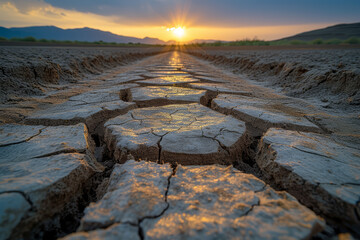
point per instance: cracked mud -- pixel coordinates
(186, 134)
(316, 170)
(199, 202)
(47, 170)
(153, 96)
(172, 147)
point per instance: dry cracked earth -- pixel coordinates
(172, 147)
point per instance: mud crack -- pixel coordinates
(214, 138)
(61, 152)
(141, 230)
(22, 141)
(25, 196)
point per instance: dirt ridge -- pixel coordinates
(339, 84)
(29, 71)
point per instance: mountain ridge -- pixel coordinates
(340, 31)
(74, 34)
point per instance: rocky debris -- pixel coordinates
(322, 174)
(114, 232)
(90, 108)
(136, 191)
(168, 81)
(186, 133)
(263, 114)
(156, 96)
(47, 169)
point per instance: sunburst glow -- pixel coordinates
(179, 32)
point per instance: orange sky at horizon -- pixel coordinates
(46, 14)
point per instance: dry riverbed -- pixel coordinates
(152, 144)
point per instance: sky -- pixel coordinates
(199, 19)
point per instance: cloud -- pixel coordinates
(225, 19)
(38, 12)
(22, 15)
(229, 13)
(26, 7)
(224, 13)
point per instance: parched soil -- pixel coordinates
(148, 143)
(26, 71)
(330, 74)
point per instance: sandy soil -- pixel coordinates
(330, 74)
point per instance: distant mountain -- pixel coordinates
(76, 34)
(340, 31)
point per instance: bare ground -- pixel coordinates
(32, 70)
(133, 109)
(330, 74)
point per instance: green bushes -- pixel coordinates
(244, 42)
(257, 42)
(333, 41)
(248, 42)
(352, 40)
(25, 39)
(43, 40)
(318, 41)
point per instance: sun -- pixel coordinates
(179, 32)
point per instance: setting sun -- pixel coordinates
(177, 31)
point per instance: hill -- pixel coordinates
(76, 34)
(340, 31)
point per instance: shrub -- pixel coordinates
(352, 40)
(333, 41)
(43, 40)
(279, 42)
(25, 39)
(28, 39)
(317, 41)
(297, 42)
